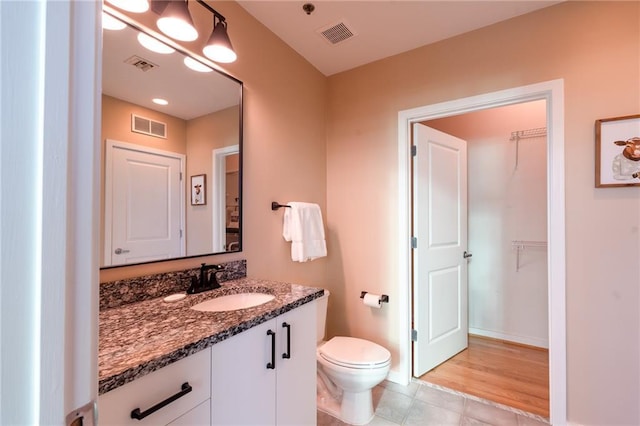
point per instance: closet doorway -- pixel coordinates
(550, 94)
(507, 275)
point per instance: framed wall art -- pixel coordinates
(198, 190)
(618, 151)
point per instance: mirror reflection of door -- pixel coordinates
(144, 199)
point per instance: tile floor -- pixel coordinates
(423, 403)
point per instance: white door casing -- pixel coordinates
(553, 92)
(440, 229)
(219, 195)
(144, 204)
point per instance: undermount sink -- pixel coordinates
(232, 302)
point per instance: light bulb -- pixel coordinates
(154, 45)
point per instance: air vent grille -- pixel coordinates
(148, 127)
(140, 63)
(337, 33)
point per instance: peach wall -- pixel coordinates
(206, 133)
(284, 147)
(580, 42)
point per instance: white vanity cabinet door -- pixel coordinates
(115, 407)
(245, 392)
(242, 387)
(296, 376)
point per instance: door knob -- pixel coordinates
(120, 251)
(467, 255)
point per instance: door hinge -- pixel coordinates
(414, 150)
(414, 242)
(181, 233)
(414, 335)
(181, 176)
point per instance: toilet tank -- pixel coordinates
(321, 306)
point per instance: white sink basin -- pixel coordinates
(231, 302)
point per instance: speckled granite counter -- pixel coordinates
(139, 338)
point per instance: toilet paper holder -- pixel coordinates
(383, 297)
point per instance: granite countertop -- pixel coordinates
(139, 338)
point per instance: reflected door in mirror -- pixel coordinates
(143, 205)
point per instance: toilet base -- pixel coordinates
(354, 408)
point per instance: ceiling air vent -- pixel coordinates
(148, 126)
(337, 33)
(140, 63)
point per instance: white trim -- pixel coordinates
(50, 198)
(553, 93)
(525, 340)
(219, 173)
(110, 144)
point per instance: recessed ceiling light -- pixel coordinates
(135, 6)
(195, 65)
(160, 101)
(111, 23)
(154, 45)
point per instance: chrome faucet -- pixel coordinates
(206, 281)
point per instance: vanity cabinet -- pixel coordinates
(267, 375)
(191, 408)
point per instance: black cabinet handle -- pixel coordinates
(136, 414)
(272, 365)
(287, 354)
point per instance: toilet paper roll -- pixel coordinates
(372, 300)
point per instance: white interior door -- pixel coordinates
(439, 259)
(144, 204)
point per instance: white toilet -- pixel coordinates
(348, 369)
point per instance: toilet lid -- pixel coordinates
(351, 351)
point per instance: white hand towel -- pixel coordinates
(303, 226)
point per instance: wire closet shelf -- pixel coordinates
(518, 135)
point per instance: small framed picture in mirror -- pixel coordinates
(198, 190)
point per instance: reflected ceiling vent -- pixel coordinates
(337, 33)
(148, 126)
(140, 63)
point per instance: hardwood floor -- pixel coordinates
(503, 372)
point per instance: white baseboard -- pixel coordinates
(525, 340)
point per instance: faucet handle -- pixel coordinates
(193, 288)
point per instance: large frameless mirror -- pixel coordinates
(171, 152)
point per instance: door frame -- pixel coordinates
(219, 172)
(553, 92)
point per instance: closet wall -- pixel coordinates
(507, 221)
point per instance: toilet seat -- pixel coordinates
(355, 353)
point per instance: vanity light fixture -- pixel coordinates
(195, 65)
(219, 47)
(176, 22)
(135, 6)
(111, 23)
(154, 45)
